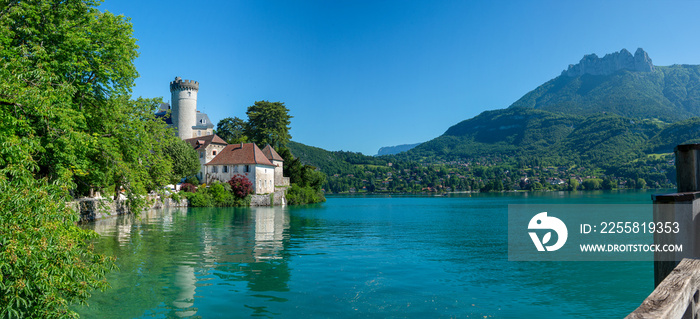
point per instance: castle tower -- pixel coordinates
(184, 106)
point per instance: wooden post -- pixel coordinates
(682, 207)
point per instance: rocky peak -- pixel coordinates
(611, 63)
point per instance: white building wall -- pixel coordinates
(261, 176)
(264, 179)
(279, 171)
(205, 156)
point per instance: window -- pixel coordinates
(247, 168)
(203, 121)
(213, 153)
(235, 168)
(213, 169)
(225, 170)
(199, 133)
(201, 154)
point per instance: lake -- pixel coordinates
(356, 257)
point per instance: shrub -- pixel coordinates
(297, 195)
(192, 180)
(176, 197)
(219, 193)
(200, 199)
(240, 186)
(187, 187)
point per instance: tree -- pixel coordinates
(608, 183)
(185, 159)
(67, 125)
(232, 130)
(641, 183)
(573, 184)
(268, 123)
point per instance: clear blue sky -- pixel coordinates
(358, 75)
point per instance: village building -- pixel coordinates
(208, 148)
(244, 159)
(220, 161)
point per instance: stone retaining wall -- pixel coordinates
(98, 208)
(275, 199)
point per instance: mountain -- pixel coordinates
(610, 121)
(623, 84)
(601, 111)
(391, 150)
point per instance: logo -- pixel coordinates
(542, 221)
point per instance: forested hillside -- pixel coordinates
(608, 122)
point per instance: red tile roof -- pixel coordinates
(204, 141)
(235, 154)
(271, 154)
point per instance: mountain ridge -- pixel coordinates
(611, 63)
(669, 93)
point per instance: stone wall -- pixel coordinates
(275, 199)
(98, 208)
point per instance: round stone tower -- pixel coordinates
(184, 106)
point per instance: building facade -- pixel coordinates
(278, 162)
(243, 159)
(207, 147)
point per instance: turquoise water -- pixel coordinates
(355, 257)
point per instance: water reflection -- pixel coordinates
(270, 229)
(171, 258)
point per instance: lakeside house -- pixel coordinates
(247, 159)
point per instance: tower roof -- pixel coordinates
(180, 84)
(203, 122)
(271, 154)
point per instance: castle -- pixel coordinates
(219, 161)
(184, 116)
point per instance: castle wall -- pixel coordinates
(184, 106)
(185, 102)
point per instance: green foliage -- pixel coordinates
(201, 198)
(268, 123)
(46, 263)
(192, 180)
(185, 160)
(640, 183)
(232, 130)
(306, 181)
(297, 195)
(217, 194)
(176, 197)
(592, 183)
(669, 93)
(67, 125)
(573, 184)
